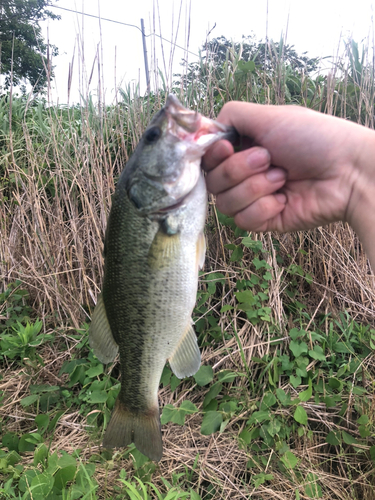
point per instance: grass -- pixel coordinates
(283, 406)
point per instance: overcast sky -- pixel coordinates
(314, 26)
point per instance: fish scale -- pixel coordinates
(154, 247)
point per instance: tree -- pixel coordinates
(23, 51)
(249, 70)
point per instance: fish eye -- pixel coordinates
(153, 134)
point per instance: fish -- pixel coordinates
(153, 250)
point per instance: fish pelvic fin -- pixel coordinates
(100, 335)
(201, 250)
(186, 359)
(164, 249)
(141, 428)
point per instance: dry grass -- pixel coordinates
(53, 211)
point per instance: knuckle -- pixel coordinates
(229, 171)
(223, 205)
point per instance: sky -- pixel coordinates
(95, 50)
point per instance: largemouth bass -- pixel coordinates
(154, 247)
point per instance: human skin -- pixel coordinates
(306, 170)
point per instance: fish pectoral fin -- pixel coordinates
(164, 249)
(201, 250)
(186, 359)
(100, 335)
(141, 428)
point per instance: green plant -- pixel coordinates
(24, 341)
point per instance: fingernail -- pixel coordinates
(281, 198)
(276, 175)
(257, 155)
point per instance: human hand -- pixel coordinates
(305, 171)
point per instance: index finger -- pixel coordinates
(219, 152)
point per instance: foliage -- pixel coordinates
(284, 401)
(23, 49)
(249, 70)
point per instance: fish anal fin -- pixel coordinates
(201, 250)
(186, 359)
(141, 428)
(164, 249)
(100, 335)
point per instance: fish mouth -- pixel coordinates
(171, 208)
(191, 126)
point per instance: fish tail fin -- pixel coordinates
(141, 428)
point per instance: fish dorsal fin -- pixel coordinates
(186, 359)
(201, 250)
(163, 249)
(100, 335)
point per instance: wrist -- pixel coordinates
(360, 212)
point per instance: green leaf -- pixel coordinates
(330, 402)
(165, 376)
(248, 435)
(348, 439)
(25, 445)
(26, 478)
(13, 458)
(259, 416)
(317, 353)
(175, 382)
(333, 438)
(255, 245)
(95, 371)
(97, 397)
(167, 414)
(226, 308)
(29, 400)
(211, 422)
(269, 400)
(296, 333)
(40, 454)
(63, 476)
(261, 479)
(300, 415)
(298, 348)
(289, 460)
(177, 415)
(260, 263)
(10, 441)
(283, 397)
(41, 485)
(204, 375)
(227, 376)
(42, 421)
(306, 395)
(363, 420)
(312, 488)
(295, 381)
(341, 348)
(66, 460)
(359, 391)
(335, 383)
(274, 427)
(363, 431)
(237, 254)
(245, 297)
(212, 393)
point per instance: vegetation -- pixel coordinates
(284, 403)
(23, 49)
